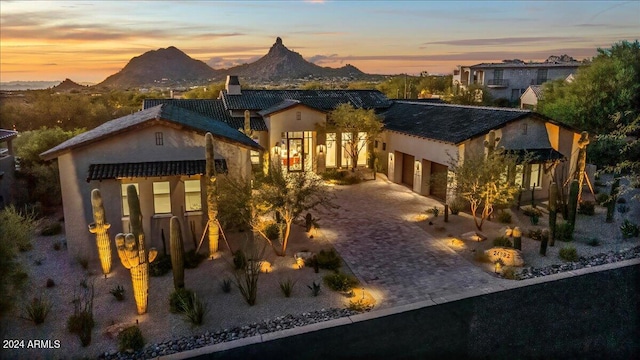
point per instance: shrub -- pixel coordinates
(50, 283)
(587, 208)
(569, 253)
(535, 234)
(504, 217)
(81, 322)
(160, 266)
(225, 285)
(53, 228)
(194, 309)
(17, 227)
(532, 212)
(178, 299)
(435, 211)
(502, 241)
(341, 177)
(239, 260)
(564, 232)
(315, 288)
(130, 339)
(247, 277)
(457, 204)
(117, 292)
(593, 242)
(272, 231)
(340, 282)
(328, 260)
(623, 208)
(192, 259)
(509, 273)
(359, 305)
(602, 198)
(629, 229)
(287, 287)
(37, 310)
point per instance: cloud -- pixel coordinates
(219, 62)
(322, 59)
(504, 41)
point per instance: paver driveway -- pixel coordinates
(375, 233)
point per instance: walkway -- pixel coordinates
(375, 233)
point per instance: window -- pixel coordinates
(542, 76)
(161, 198)
(515, 94)
(534, 176)
(125, 203)
(497, 74)
(384, 146)
(375, 144)
(159, 139)
(298, 115)
(192, 195)
(330, 159)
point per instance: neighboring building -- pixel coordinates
(509, 79)
(161, 151)
(292, 124)
(530, 97)
(421, 139)
(7, 166)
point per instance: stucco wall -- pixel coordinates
(133, 146)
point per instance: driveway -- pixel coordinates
(375, 233)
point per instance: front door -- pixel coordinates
(407, 169)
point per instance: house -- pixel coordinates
(421, 139)
(533, 94)
(160, 150)
(7, 166)
(510, 78)
(292, 124)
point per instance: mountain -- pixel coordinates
(68, 85)
(162, 67)
(280, 63)
(26, 85)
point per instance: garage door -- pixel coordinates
(438, 187)
(407, 169)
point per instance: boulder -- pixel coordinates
(473, 236)
(509, 256)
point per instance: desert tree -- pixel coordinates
(361, 125)
(485, 181)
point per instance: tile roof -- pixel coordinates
(537, 90)
(575, 64)
(285, 104)
(165, 112)
(7, 134)
(152, 169)
(213, 108)
(320, 99)
(448, 123)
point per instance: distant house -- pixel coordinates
(509, 79)
(161, 151)
(533, 94)
(421, 139)
(7, 166)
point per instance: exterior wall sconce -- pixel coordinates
(391, 156)
(321, 149)
(276, 151)
(417, 166)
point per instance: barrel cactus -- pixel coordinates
(100, 227)
(133, 253)
(177, 253)
(212, 201)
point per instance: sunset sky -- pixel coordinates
(87, 41)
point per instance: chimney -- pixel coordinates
(232, 85)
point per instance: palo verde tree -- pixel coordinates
(286, 196)
(485, 181)
(361, 125)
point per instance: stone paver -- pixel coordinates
(374, 231)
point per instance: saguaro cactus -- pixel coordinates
(177, 253)
(212, 200)
(573, 203)
(133, 254)
(553, 212)
(100, 227)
